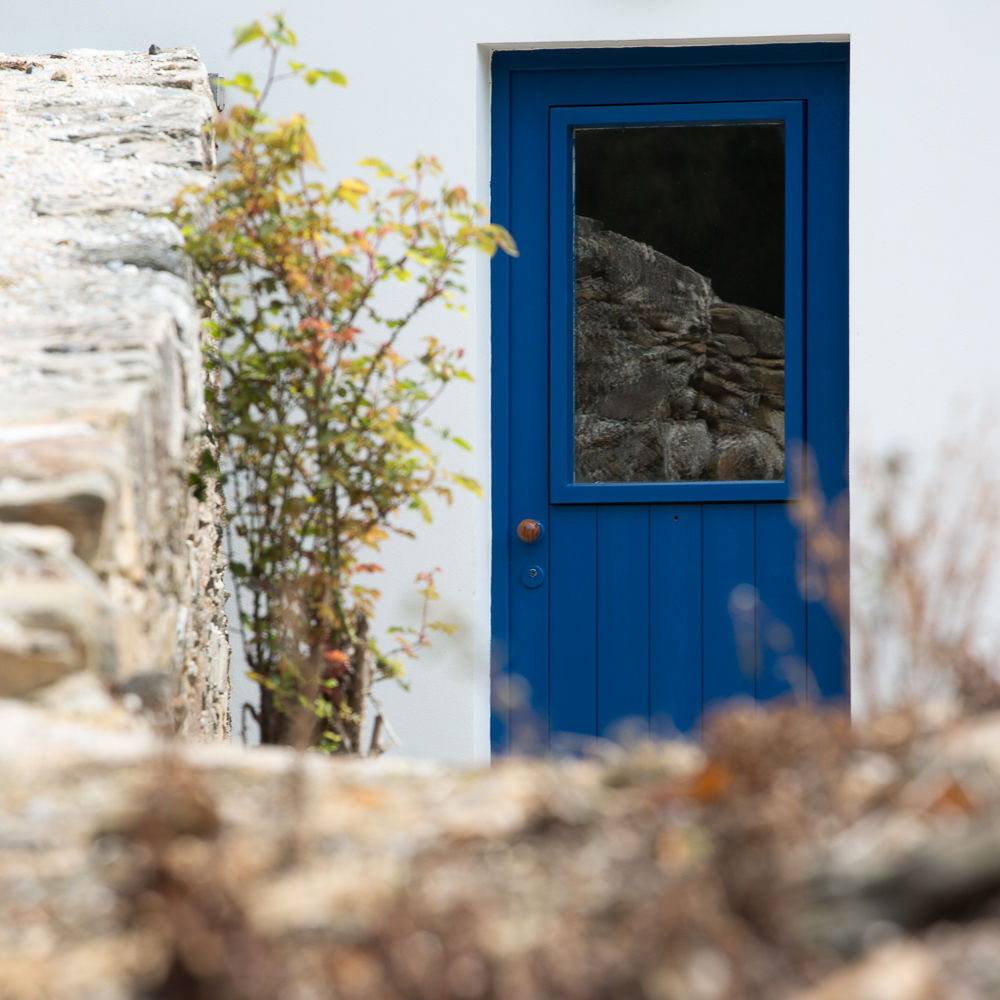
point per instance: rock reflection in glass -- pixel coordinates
(675, 381)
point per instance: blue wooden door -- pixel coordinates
(647, 415)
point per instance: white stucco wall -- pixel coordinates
(925, 158)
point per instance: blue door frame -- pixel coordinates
(622, 609)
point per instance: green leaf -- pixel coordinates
(312, 76)
(244, 82)
(248, 33)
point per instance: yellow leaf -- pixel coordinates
(350, 189)
(467, 482)
(383, 168)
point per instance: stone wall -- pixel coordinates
(107, 562)
(671, 382)
(792, 858)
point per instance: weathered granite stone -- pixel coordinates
(687, 449)
(766, 333)
(670, 383)
(754, 454)
(664, 293)
(100, 356)
(54, 615)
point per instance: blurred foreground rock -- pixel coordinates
(795, 858)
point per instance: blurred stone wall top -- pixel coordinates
(792, 857)
(106, 561)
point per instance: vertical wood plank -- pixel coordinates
(827, 646)
(500, 281)
(623, 620)
(781, 612)
(526, 474)
(528, 708)
(827, 369)
(573, 628)
(727, 601)
(675, 626)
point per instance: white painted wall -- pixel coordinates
(925, 162)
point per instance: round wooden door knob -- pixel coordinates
(529, 530)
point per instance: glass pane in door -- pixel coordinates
(679, 333)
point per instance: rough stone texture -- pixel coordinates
(671, 383)
(107, 562)
(131, 868)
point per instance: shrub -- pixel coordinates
(321, 398)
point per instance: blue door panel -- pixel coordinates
(526, 456)
(826, 370)
(675, 618)
(728, 548)
(573, 628)
(622, 621)
(781, 612)
(653, 611)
